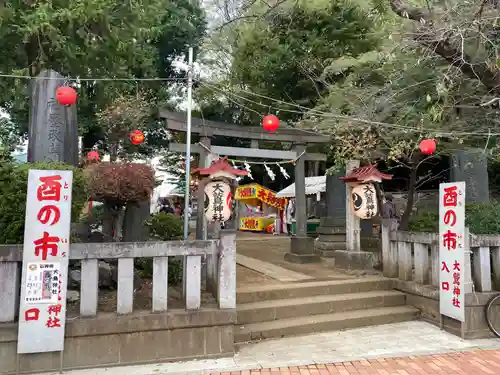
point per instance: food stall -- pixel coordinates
(259, 208)
(315, 187)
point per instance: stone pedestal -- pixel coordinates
(331, 236)
(358, 260)
(302, 250)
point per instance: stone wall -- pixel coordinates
(426, 299)
(141, 337)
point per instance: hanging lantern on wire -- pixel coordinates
(136, 137)
(66, 95)
(271, 123)
(427, 146)
(93, 156)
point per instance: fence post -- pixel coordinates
(226, 278)
(10, 274)
(468, 286)
(389, 250)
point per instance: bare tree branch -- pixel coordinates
(246, 7)
(487, 74)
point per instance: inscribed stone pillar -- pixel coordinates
(335, 199)
(471, 166)
(53, 131)
(301, 246)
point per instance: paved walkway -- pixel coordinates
(354, 347)
(271, 270)
(480, 362)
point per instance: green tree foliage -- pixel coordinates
(13, 190)
(283, 54)
(94, 38)
(418, 70)
(481, 218)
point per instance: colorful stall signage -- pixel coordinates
(246, 192)
(256, 224)
(42, 311)
(254, 191)
(452, 249)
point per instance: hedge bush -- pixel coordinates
(481, 218)
(166, 227)
(13, 188)
(163, 227)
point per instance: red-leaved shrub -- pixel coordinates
(120, 183)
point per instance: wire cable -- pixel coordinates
(78, 79)
(322, 114)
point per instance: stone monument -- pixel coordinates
(332, 229)
(53, 131)
(471, 166)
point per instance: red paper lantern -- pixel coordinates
(271, 123)
(136, 137)
(93, 155)
(66, 95)
(427, 146)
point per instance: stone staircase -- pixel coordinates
(273, 311)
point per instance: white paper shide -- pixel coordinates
(452, 249)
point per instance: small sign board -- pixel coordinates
(452, 250)
(42, 311)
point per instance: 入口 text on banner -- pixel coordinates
(452, 250)
(42, 310)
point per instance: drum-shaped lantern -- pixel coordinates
(364, 201)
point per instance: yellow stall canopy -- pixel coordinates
(252, 194)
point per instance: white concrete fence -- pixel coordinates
(221, 273)
(412, 256)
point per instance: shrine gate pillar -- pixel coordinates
(301, 246)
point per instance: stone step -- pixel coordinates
(268, 292)
(324, 322)
(315, 305)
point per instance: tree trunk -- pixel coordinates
(403, 225)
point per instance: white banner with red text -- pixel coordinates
(452, 250)
(42, 310)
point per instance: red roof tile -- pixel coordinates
(220, 165)
(361, 173)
